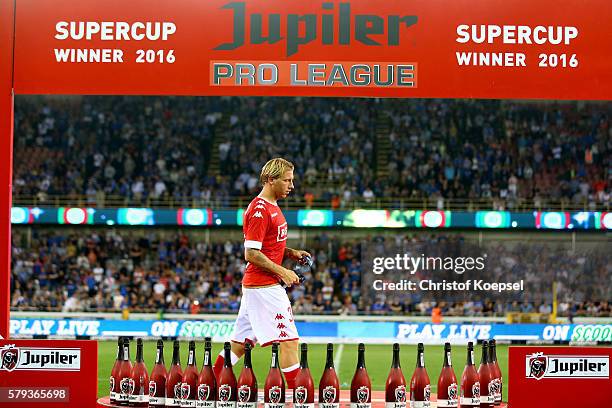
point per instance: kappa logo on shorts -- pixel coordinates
(283, 334)
(279, 317)
(281, 326)
(282, 232)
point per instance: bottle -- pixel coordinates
(226, 385)
(470, 381)
(420, 386)
(175, 378)
(395, 388)
(139, 380)
(247, 383)
(114, 377)
(207, 384)
(274, 389)
(361, 386)
(329, 386)
(487, 396)
(190, 379)
(157, 381)
(448, 393)
(495, 373)
(303, 393)
(125, 372)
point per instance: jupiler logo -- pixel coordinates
(452, 391)
(225, 392)
(185, 390)
(540, 366)
(427, 392)
(203, 392)
(152, 388)
(329, 394)
(476, 390)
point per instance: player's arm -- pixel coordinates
(259, 259)
(295, 254)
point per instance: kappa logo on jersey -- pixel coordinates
(363, 394)
(124, 385)
(185, 390)
(258, 215)
(301, 394)
(329, 394)
(476, 390)
(282, 232)
(244, 393)
(152, 388)
(260, 206)
(452, 391)
(203, 392)
(274, 394)
(400, 393)
(225, 392)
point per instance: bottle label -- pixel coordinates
(206, 358)
(173, 402)
(448, 403)
(487, 399)
(157, 356)
(395, 405)
(246, 405)
(422, 360)
(329, 405)
(295, 405)
(448, 355)
(190, 359)
(226, 404)
(157, 401)
(274, 405)
(188, 403)
(361, 405)
(139, 398)
(470, 402)
(420, 404)
(205, 404)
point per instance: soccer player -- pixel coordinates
(265, 314)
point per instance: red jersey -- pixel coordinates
(265, 228)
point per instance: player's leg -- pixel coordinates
(242, 332)
(289, 361)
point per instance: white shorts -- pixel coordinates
(265, 317)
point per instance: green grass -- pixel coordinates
(378, 361)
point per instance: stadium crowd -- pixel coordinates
(152, 148)
(107, 270)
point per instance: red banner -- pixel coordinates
(50, 373)
(553, 377)
(423, 48)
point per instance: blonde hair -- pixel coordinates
(274, 169)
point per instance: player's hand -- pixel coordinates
(298, 254)
(289, 277)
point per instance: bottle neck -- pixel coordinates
(139, 357)
(396, 359)
(329, 362)
(485, 355)
(274, 363)
(304, 359)
(191, 357)
(470, 357)
(420, 359)
(207, 361)
(361, 359)
(120, 352)
(227, 358)
(176, 356)
(492, 354)
(447, 358)
(247, 358)
(159, 359)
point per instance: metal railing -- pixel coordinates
(294, 202)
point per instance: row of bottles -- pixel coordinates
(131, 385)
